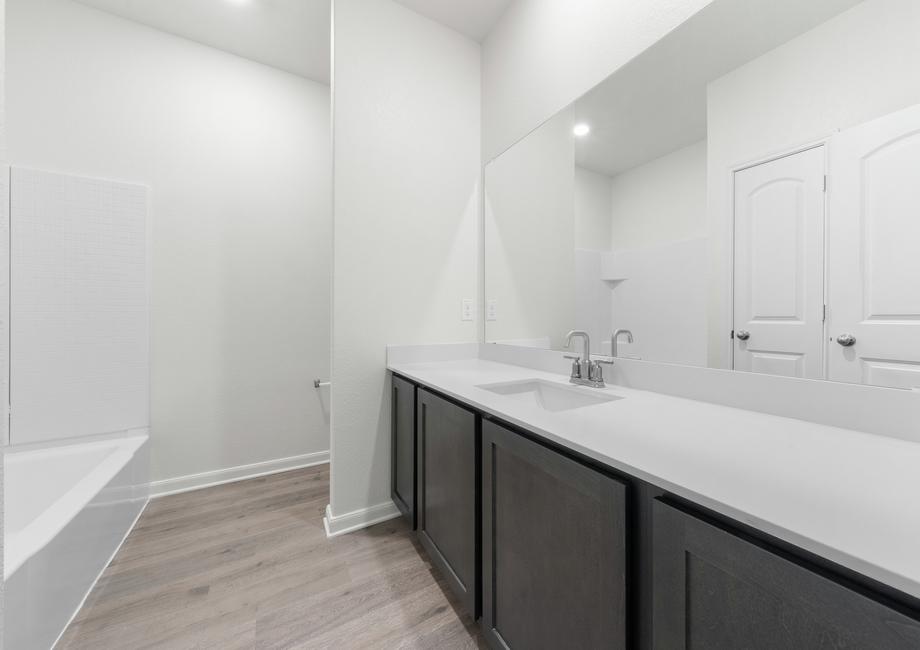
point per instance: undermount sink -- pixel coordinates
(548, 395)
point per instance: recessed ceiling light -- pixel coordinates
(239, 2)
(581, 130)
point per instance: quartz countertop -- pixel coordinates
(848, 496)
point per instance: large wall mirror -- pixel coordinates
(745, 195)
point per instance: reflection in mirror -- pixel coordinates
(742, 195)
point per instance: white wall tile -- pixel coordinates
(79, 335)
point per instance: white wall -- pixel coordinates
(593, 212)
(4, 283)
(593, 299)
(857, 66)
(658, 231)
(237, 158)
(661, 201)
(530, 235)
(593, 209)
(407, 169)
(544, 54)
(661, 298)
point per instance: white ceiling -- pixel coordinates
(292, 35)
(474, 18)
(657, 103)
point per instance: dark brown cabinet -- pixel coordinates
(447, 493)
(403, 462)
(714, 589)
(554, 551)
(554, 548)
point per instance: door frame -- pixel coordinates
(733, 171)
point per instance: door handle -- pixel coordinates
(846, 340)
(743, 335)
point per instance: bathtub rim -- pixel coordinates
(21, 545)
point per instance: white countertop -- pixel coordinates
(850, 497)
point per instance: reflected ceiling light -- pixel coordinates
(581, 130)
(239, 2)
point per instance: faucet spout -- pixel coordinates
(586, 355)
(616, 337)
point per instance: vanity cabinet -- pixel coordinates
(554, 551)
(714, 589)
(554, 548)
(403, 461)
(448, 496)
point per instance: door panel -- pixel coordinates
(777, 363)
(893, 374)
(779, 266)
(554, 548)
(873, 260)
(774, 244)
(891, 229)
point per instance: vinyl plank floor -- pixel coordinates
(247, 566)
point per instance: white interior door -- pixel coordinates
(874, 252)
(779, 266)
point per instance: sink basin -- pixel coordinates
(550, 396)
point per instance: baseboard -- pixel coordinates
(230, 474)
(358, 519)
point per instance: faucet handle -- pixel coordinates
(576, 365)
(595, 372)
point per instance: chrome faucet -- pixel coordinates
(585, 371)
(615, 338)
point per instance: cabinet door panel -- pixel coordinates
(554, 548)
(715, 590)
(403, 452)
(448, 492)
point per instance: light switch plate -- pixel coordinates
(466, 310)
(492, 310)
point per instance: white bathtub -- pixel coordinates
(67, 508)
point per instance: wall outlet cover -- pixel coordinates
(467, 312)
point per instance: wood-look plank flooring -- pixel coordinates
(248, 565)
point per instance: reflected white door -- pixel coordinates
(779, 266)
(874, 252)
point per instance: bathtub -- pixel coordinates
(67, 508)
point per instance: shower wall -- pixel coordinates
(79, 362)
